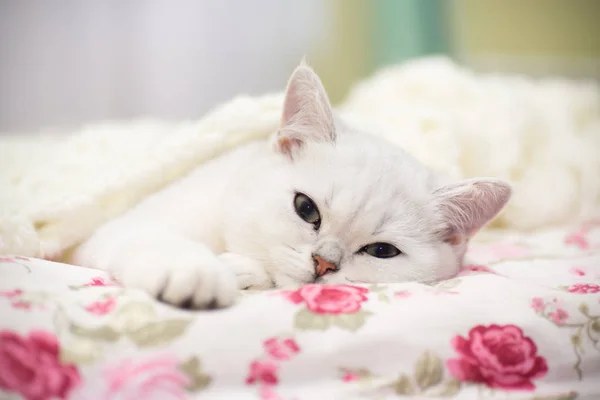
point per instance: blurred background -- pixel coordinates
(64, 63)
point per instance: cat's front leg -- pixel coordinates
(162, 262)
(250, 274)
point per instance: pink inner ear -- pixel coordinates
(468, 205)
(293, 102)
(287, 145)
(307, 114)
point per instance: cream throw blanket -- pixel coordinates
(543, 136)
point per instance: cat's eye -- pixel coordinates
(307, 210)
(380, 250)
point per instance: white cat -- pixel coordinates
(319, 203)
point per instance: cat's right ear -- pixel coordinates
(466, 206)
(307, 114)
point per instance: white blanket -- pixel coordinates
(544, 137)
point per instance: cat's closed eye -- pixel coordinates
(307, 210)
(380, 250)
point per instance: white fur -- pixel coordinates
(235, 214)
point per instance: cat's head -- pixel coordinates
(337, 206)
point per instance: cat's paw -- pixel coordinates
(187, 279)
(250, 274)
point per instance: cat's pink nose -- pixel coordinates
(323, 266)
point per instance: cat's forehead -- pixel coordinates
(368, 183)
(366, 165)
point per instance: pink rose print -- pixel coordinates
(154, 378)
(13, 259)
(17, 301)
(267, 393)
(584, 288)
(21, 304)
(30, 366)
(99, 281)
(102, 307)
(262, 372)
(281, 349)
(577, 271)
(469, 269)
(403, 294)
(559, 316)
(538, 304)
(577, 239)
(497, 356)
(11, 293)
(330, 299)
(350, 377)
(444, 292)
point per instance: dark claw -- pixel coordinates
(162, 291)
(160, 298)
(188, 303)
(212, 305)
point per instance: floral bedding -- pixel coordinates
(521, 320)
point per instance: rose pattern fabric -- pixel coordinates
(498, 356)
(30, 366)
(523, 325)
(11, 293)
(538, 304)
(281, 349)
(263, 372)
(154, 378)
(578, 239)
(470, 269)
(21, 301)
(13, 259)
(559, 316)
(102, 307)
(577, 271)
(584, 288)
(584, 325)
(100, 281)
(23, 305)
(330, 299)
(350, 376)
(402, 294)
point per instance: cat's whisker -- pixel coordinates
(291, 248)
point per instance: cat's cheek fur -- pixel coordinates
(292, 266)
(261, 224)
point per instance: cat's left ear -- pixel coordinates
(466, 206)
(307, 114)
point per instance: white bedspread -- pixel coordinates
(521, 321)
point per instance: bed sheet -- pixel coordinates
(521, 320)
